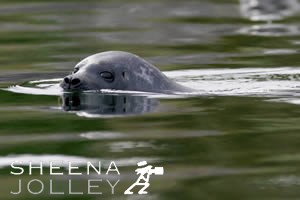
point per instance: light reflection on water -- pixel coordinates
(269, 11)
(260, 82)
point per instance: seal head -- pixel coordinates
(119, 71)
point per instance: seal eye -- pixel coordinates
(75, 70)
(108, 76)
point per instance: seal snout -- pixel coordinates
(70, 82)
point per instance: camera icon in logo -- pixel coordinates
(143, 180)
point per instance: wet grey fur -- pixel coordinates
(130, 73)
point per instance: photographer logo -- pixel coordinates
(90, 186)
(144, 171)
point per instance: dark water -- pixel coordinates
(236, 138)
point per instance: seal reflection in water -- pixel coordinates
(119, 70)
(95, 104)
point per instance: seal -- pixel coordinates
(119, 70)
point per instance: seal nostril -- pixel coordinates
(75, 81)
(66, 80)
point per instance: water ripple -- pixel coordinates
(283, 82)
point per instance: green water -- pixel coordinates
(211, 147)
